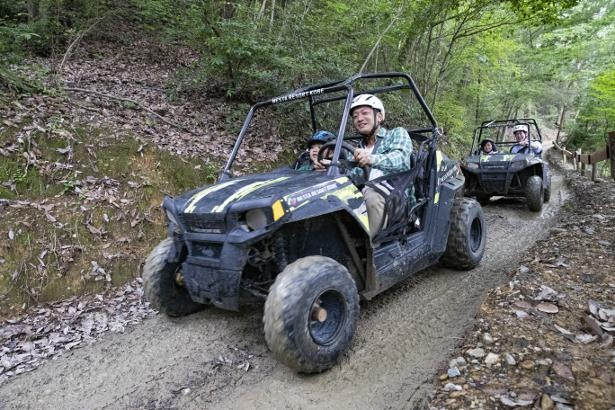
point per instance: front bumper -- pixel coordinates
(209, 285)
(212, 271)
(492, 181)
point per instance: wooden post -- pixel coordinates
(579, 163)
(611, 153)
(574, 160)
(564, 156)
(597, 157)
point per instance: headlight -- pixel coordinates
(472, 165)
(170, 216)
(256, 218)
(517, 164)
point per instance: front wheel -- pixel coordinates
(311, 314)
(467, 235)
(483, 199)
(160, 284)
(534, 193)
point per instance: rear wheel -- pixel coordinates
(534, 193)
(467, 235)
(161, 287)
(311, 314)
(547, 193)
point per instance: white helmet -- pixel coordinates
(368, 100)
(520, 127)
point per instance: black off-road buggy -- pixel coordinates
(523, 174)
(299, 240)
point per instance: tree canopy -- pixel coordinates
(472, 59)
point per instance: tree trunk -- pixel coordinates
(477, 111)
(445, 59)
(560, 122)
(425, 61)
(611, 143)
(33, 10)
(272, 14)
(261, 12)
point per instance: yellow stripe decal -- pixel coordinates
(436, 198)
(348, 192)
(345, 193)
(364, 221)
(245, 191)
(198, 196)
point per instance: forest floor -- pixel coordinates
(542, 339)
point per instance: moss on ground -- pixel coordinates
(84, 210)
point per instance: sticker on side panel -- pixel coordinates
(299, 198)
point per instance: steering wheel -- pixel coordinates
(522, 151)
(347, 152)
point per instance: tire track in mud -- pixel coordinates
(403, 337)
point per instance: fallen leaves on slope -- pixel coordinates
(58, 327)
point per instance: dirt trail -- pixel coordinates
(200, 361)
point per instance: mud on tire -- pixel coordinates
(534, 193)
(467, 235)
(311, 314)
(160, 287)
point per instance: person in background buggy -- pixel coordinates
(487, 146)
(523, 145)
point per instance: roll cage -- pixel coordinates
(317, 94)
(499, 127)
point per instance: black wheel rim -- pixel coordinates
(476, 234)
(326, 317)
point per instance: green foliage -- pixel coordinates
(597, 115)
(602, 89)
(248, 52)
(471, 59)
(543, 10)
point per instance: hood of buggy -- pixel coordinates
(293, 188)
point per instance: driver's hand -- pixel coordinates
(362, 157)
(322, 164)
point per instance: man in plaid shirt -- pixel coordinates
(385, 151)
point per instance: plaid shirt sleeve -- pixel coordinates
(535, 147)
(394, 152)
